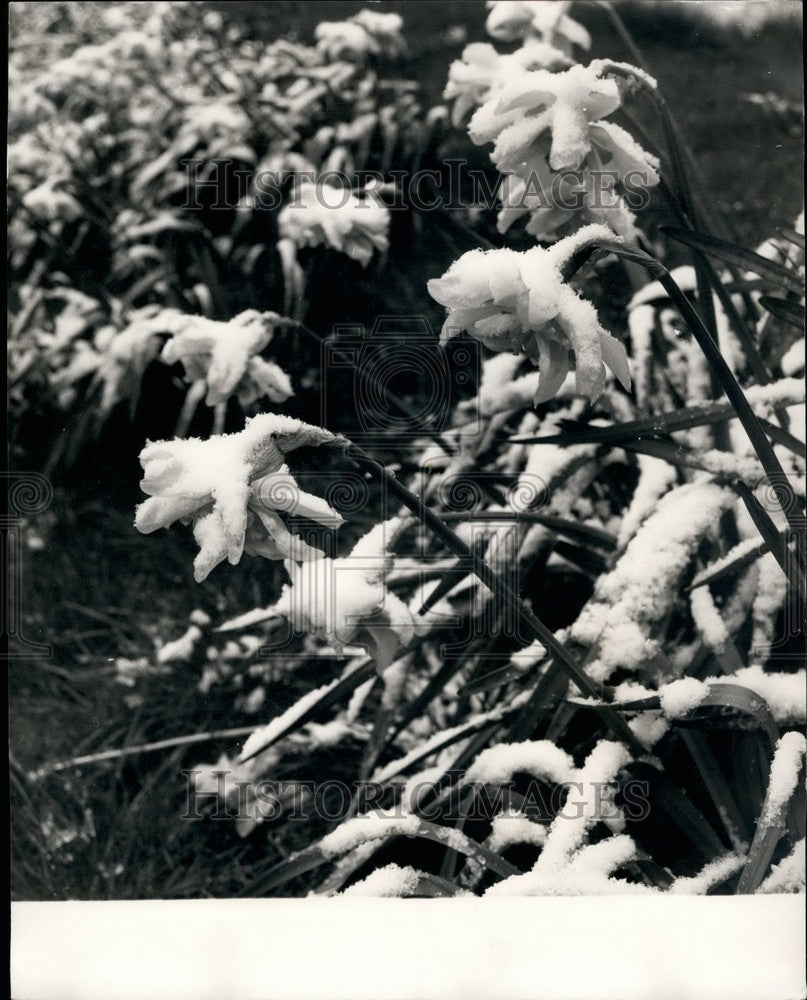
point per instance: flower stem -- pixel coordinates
(533, 625)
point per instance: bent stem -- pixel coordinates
(532, 624)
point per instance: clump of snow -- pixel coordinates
(685, 277)
(565, 866)
(390, 882)
(180, 649)
(793, 361)
(541, 758)
(728, 465)
(784, 693)
(649, 728)
(361, 829)
(787, 764)
(788, 875)
(771, 594)
(727, 339)
(681, 696)
(785, 392)
(128, 672)
(709, 875)
(641, 324)
(513, 827)
(707, 619)
(631, 600)
(655, 477)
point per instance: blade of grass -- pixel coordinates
(333, 694)
(770, 828)
(314, 856)
(733, 253)
(670, 799)
(786, 557)
(660, 423)
(575, 530)
(718, 788)
(789, 312)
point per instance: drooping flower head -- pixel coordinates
(482, 71)
(226, 356)
(346, 601)
(321, 213)
(547, 20)
(519, 302)
(568, 106)
(366, 33)
(562, 160)
(560, 203)
(230, 487)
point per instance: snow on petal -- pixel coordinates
(520, 302)
(208, 481)
(323, 214)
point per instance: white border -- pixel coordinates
(665, 948)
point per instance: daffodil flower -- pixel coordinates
(568, 105)
(51, 203)
(116, 358)
(345, 601)
(519, 302)
(223, 486)
(482, 71)
(321, 213)
(560, 203)
(366, 33)
(510, 20)
(226, 356)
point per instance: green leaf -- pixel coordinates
(718, 788)
(789, 312)
(670, 799)
(769, 831)
(313, 857)
(733, 253)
